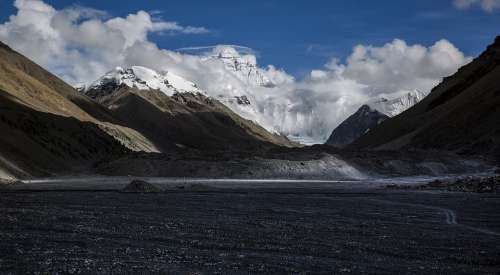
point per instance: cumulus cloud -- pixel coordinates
(81, 44)
(487, 5)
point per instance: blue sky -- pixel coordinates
(302, 35)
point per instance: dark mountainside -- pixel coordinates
(46, 126)
(462, 114)
(35, 143)
(355, 126)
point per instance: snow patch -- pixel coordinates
(393, 107)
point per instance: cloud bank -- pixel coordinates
(81, 44)
(486, 5)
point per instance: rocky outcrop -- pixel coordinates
(355, 126)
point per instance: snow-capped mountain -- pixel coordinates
(238, 99)
(173, 112)
(240, 93)
(393, 107)
(370, 115)
(141, 78)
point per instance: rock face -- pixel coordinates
(139, 186)
(355, 126)
(461, 114)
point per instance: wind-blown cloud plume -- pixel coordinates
(81, 44)
(487, 5)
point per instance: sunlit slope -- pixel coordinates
(36, 88)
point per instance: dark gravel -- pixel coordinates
(462, 184)
(240, 232)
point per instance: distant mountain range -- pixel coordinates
(160, 123)
(369, 116)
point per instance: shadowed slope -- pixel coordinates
(35, 143)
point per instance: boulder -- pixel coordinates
(139, 186)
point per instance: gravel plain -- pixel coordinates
(288, 228)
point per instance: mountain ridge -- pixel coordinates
(179, 116)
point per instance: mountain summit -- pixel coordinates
(244, 66)
(393, 107)
(370, 115)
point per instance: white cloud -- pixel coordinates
(81, 44)
(487, 5)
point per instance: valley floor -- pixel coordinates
(325, 228)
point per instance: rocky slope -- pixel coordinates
(369, 116)
(461, 114)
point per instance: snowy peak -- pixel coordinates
(244, 66)
(144, 78)
(370, 115)
(393, 107)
